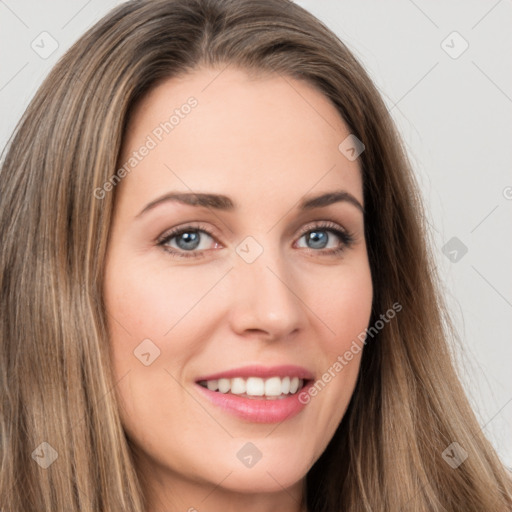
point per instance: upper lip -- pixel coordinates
(262, 372)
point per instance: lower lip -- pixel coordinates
(257, 410)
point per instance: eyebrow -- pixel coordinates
(224, 203)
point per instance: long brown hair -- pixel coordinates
(56, 380)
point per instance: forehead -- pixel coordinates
(245, 135)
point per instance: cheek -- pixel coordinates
(157, 324)
(152, 302)
(342, 301)
(343, 305)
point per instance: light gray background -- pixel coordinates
(454, 112)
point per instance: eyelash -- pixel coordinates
(346, 238)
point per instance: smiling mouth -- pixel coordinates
(257, 388)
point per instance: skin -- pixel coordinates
(266, 142)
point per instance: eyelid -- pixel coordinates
(190, 226)
(176, 231)
(346, 238)
(322, 224)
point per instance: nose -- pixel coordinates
(266, 299)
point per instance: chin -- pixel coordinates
(263, 480)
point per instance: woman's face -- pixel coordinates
(237, 270)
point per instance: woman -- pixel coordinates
(216, 289)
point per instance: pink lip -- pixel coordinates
(258, 410)
(262, 372)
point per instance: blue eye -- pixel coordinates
(318, 239)
(325, 239)
(187, 239)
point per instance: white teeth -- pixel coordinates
(294, 385)
(255, 386)
(238, 386)
(212, 385)
(224, 385)
(273, 386)
(285, 385)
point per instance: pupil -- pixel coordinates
(318, 239)
(188, 240)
